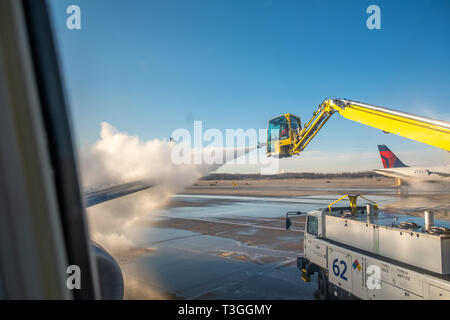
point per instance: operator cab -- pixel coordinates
(281, 133)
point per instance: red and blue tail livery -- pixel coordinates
(389, 159)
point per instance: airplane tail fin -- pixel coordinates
(389, 159)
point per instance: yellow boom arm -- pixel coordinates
(426, 130)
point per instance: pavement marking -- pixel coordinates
(236, 223)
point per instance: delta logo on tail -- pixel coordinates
(395, 168)
(389, 159)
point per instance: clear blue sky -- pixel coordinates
(149, 67)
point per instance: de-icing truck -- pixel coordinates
(358, 252)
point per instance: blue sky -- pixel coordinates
(149, 67)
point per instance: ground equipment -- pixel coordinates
(359, 252)
(286, 137)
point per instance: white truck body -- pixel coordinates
(375, 258)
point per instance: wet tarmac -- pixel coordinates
(222, 247)
(224, 240)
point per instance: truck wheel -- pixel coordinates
(322, 284)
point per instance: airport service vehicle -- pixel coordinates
(356, 251)
(395, 168)
(286, 137)
(361, 253)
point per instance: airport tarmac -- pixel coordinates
(233, 245)
(220, 247)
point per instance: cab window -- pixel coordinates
(295, 123)
(313, 225)
(278, 129)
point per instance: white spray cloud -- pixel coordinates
(118, 157)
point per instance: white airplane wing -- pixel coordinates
(95, 197)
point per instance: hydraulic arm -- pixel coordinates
(426, 130)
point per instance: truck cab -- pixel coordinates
(314, 250)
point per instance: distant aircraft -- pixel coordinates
(394, 167)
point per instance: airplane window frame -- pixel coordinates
(61, 147)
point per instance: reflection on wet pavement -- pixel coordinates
(222, 247)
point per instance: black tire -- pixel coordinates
(322, 285)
